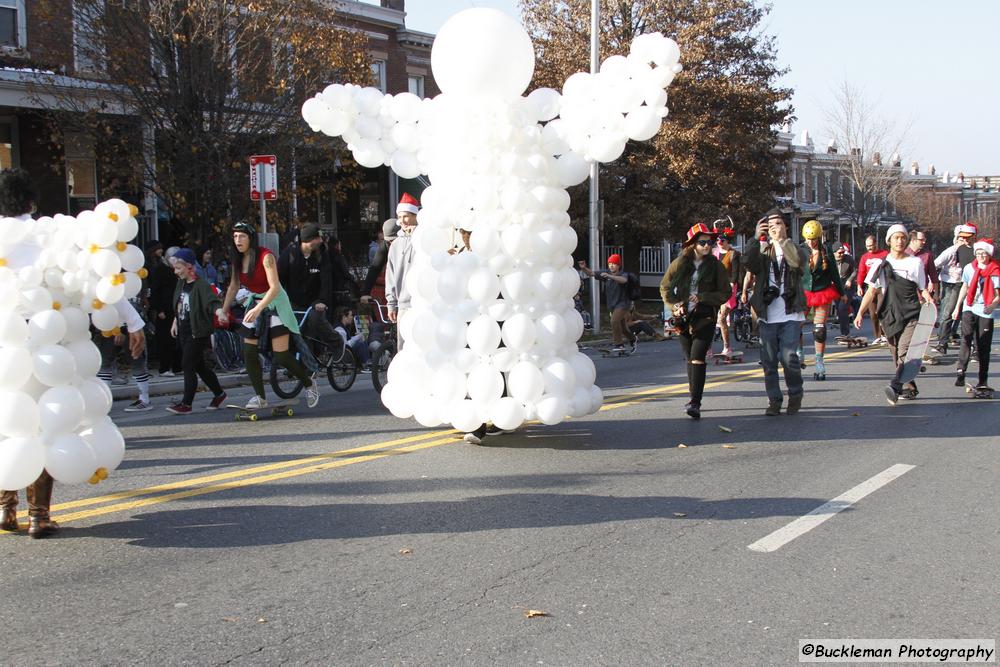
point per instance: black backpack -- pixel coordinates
(633, 288)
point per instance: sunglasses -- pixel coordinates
(704, 242)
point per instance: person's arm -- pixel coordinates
(665, 285)
(722, 288)
(957, 313)
(865, 302)
(285, 266)
(748, 280)
(795, 256)
(945, 256)
(852, 274)
(621, 278)
(923, 282)
(273, 289)
(831, 262)
(325, 297)
(390, 284)
(135, 326)
(234, 287)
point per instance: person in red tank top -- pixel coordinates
(270, 314)
(869, 259)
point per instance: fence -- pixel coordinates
(653, 259)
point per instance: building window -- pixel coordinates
(13, 24)
(815, 188)
(81, 173)
(6, 144)
(417, 85)
(378, 74)
(88, 52)
(826, 183)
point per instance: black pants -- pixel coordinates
(980, 330)
(193, 363)
(695, 346)
(319, 328)
(167, 349)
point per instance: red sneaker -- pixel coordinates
(218, 401)
(180, 409)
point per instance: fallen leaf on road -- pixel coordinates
(682, 446)
(855, 414)
(729, 446)
(725, 429)
(405, 552)
(679, 514)
(262, 620)
(230, 619)
(532, 613)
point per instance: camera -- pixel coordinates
(770, 294)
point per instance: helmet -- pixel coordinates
(812, 230)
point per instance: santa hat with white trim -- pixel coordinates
(968, 229)
(408, 204)
(984, 244)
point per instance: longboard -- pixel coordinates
(852, 341)
(735, 358)
(978, 393)
(607, 352)
(275, 409)
(918, 343)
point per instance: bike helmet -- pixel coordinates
(812, 230)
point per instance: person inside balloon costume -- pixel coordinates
(695, 285)
(823, 286)
(269, 316)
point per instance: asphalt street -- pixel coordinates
(344, 536)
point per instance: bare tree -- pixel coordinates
(870, 148)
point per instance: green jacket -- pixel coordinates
(204, 303)
(817, 278)
(714, 288)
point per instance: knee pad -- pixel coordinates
(819, 334)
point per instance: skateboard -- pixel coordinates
(852, 341)
(914, 363)
(608, 352)
(734, 358)
(276, 409)
(974, 392)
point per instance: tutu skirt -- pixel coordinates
(824, 297)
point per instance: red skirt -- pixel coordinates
(824, 297)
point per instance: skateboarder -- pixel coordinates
(693, 288)
(900, 283)
(976, 310)
(822, 286)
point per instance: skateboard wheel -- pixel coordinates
(289, 413)
(239, 418)
(253, 418)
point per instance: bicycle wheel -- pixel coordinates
(380, 366)
(284, 383)
(342, 372)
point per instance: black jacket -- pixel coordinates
(759, 261)
(306, 280)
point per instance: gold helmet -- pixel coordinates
(812, 230)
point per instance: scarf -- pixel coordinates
(992, 269)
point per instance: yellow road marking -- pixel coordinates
(287, 469)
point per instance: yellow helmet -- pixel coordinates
(812, 230)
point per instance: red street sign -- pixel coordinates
(263, 177)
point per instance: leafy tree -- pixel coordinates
(207, 82)
(714, 154)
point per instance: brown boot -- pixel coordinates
(8, 510)
(39, 499)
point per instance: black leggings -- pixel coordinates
(695, 347)
(979, 329)
(193, 363)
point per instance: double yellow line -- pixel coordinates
(123, 501)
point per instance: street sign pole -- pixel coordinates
(263, 202)
(595, 240)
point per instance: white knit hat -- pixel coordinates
(984, 244)
(895, 229)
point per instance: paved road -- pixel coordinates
(347, 537)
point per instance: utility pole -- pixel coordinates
(595, 212)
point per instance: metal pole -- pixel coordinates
(261, 185)
(595, 238)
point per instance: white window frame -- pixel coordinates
(378, 70)
(21, 24)
(826, 181)
(815, 187)
(415, 81)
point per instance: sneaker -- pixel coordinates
(256, 403)
(495, 430)
(960, 380)
(138, 405)
(726, 352)
(891, 396)
(180, 409)
(365, 369)
(167, 374)
(773, 409)
(618, 348)
(218, 401)
(794, 404)
(693, 411)
(908, 394)
(312, 395)
(472, 438)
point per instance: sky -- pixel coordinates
(931, 69)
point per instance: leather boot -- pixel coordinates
(39, 499)
(8, 510)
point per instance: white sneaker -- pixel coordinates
(138, 405)
(472, 438)
(312, 395)
(256, 402)
(726, 352)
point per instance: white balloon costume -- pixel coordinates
(57, 275)
(497, 172)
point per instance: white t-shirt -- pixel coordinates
(693, 286)
(776, 309)
(910, 268)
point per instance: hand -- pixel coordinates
(119, 339)
(988, 310)
(743, 297)
(761, 229)
(678, 310)
(319, 307)
(252, 315)
(693, 300)
(857, 321)
(136, 343)
(955, 314)
(366, 299)
(161, 315)
(393, 314)
(861, 292)
(847, 284)
(173, 329)
(602, 275)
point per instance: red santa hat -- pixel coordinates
(968, 229)
(984, 244)
(408, 204)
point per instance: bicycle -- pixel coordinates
(341, 368)
(383, 356)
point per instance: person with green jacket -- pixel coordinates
(695, 285)
(195, 303)
(822, 286)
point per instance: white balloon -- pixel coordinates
(77, 325)
(18, 415)
(47, 327)
(485, 383)
(106, 317)
(525, 382)
(426, 412)
(504, 359)
(551, 329)
(86, 357)
(642, 124)
(518, 332)
(544, 103)
(132, 258)
(507, 413)
(559, 378)
(596, 398)
(107, 442)
(579, 405)
(70, 460)
(36, 299)
(552, 409)
(96, 399)
(451, 333)
(485, 242)
(465, 416)
(398, 403)
(483, 286)
(133, 285)
(483, 335)
(109, 290)
(21, 461)
(128, 228)
(61, 409)
(448, 385)
(15, 368)
(53, 365)
(571, 169)
(517, 286)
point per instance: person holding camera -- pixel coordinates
(780, 303)
(695, 285)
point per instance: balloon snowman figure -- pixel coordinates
(501, 316)
(57, 276)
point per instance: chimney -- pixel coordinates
(877, 159)
(831, 147)
(932, 171)
(896, 160)
(961, 177)
(856, 152)
(914, 169)
(399, 5)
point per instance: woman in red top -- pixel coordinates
(268, 312)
